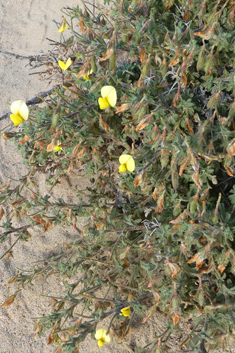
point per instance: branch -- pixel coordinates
(30, 58)
(151, 161)
(15, 230)
(38, 99)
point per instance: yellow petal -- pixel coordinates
(64, 66)
(122, 168)
(130, 165)
(112, 98)
(16, 119)
(63, 26)
(103, 103)
(15, 107)
(61, 65)
(126, 311)
(124, 158)
(57, 148)
(87, 76)
(68, 63)
(100, 333)
(106, 90)
(100, 343)
(24, 111)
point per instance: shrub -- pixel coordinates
(158, 223)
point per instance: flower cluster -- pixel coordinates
(20, 112)
(101, 335)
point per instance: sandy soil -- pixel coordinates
(25, 24)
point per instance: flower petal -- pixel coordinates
(87, 76)
(122, 168)
(64, 66)
(107, 338)
(15, 107)
(57, 148)
(112, 97)
(64, 26)
(130, 165)
(124, 158)
(16, 119)
(68, 63)
(103, 103)
(126, 311)
(61, 65)
(24, 111)
(100, 333)
(100, 343)
(106, 90)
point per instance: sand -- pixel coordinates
(25, 24)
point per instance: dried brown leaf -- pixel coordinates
(149, 314)
(107, 55)
(85, 70)
(144, 122)
(175, 319)
(40, 144)
(39, 220)
(195, 178)
(181, 217)
(75, 150)
(138, 179)
(1, 212)
(18, 202)
(229, 171)
(172, 269)
(207, 34)
(174, 62)
(155, 194)
(160, 204)
(81, 153)
(221, 268)
(37, 329)
(122, 108)
(25, 139)
(104, 125)
(142, 54)
(51, 146)
(198, 259)
(9, 301)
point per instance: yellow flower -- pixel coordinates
(63, 26)
(57, 148)
(20, 112)
(109, 97)
(126, 311)
(87, 76)
(127, 163)
(102, 337)
(65, 66)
